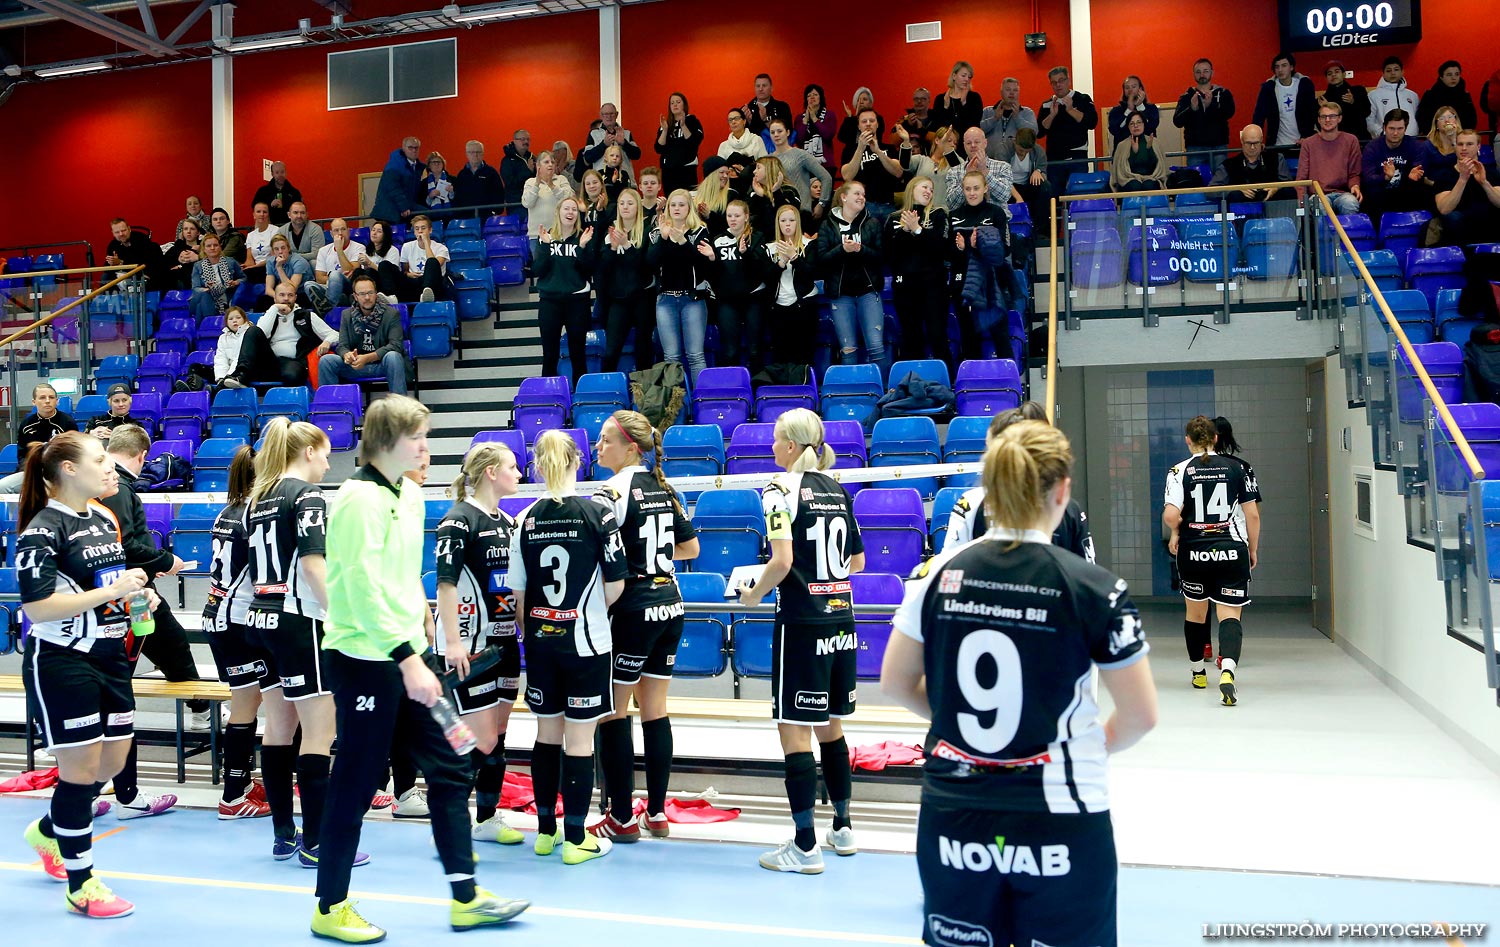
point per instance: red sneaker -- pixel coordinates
(245, 807)
(382, 800)
(257, 790)
(610, 828)
(95, 900)
(657, 825)
(1208, 652)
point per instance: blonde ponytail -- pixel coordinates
(481, 457)
(557, 457)
(282, 442)
(645, 439)
(805, 429)
(1022, 465)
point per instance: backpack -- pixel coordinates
(165, 471)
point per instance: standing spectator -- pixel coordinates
(653, 201)
(196, 214)
(1028, 177)
(478, 184)
(1332, 158)
(1065, 121)
(917, 243)
(183, 254)
(813, 130)
(1138, 164)
(278, 194)
(594, 202)
(1449, 90)
(1203, 113)
(283, 267)
(337, 261)
(616, 177)
(741, 140)
(1392, 172)
(293, 334)
(960, 107)
(436, 184)
(802, 168)
(769, 192)
(1467, 198)
(1252, 167)
(1133, 101)
(306, 239)
(541, 195)
(918, 119)
(791, 274)
(714, 194)
(370, 342)
(1002, 121)
(624, 283)
(677, 140)
(763, 107)
(1391, 92)
(258, 242)
(875, 169)
(44, 422)
(231, 242)
(849, 251)
(1489, 99)
(400, 193)
(738, 289)
(610, 133)
(128, 248)
(676, 253)
(849, 132)
(562, 159)
(215, 278)
(1287, 106)
(1353, 99)
(517, 166)
(996, 174)
(563, 267)
(983, 282)
(424, 264)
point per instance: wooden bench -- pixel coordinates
(214, 692)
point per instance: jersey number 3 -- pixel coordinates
(1003, 697)
(556, 558)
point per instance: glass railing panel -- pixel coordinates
(1484, 499)
(1454, 535)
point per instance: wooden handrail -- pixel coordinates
(84, 269)
(45, 320)
(1052, 325)
(1174, 191)
(1438, 403)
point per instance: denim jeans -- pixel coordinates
(682, 323)
(868, 315)
(1343, 202)
(333, 370)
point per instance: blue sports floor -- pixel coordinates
(195, 879)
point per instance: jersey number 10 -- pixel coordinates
(829, 537)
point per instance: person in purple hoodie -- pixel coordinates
(1392, 172)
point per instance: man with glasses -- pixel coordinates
(1065, 121)
(370, 342)
(517, 166)
(1333, 159)
(478, 184)
(610, 132)
(337, 261)
(1252, 170)
(401, 193)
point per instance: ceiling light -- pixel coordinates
(495, 13)
(72, 70)
(272, 42)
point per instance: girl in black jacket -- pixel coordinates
(675, 253)
(677, 142)
(790, 274)
(626, 283)
(769, 192)
(918, 245)
(595, 202)
(977, 212)
(562, 282)
(849, 251)
(739, 288)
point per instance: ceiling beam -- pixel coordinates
(203, 7)
(98, 23)
(148, 22)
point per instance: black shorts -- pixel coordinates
(1215, 571)
(560, 681)
(500, 683)
(240, 664)
(1029, 878)
(293, 648)
(645, 642)
(813, 672)
(80, 698)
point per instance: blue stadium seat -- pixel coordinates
(903, 441)
(1444, 362)
(293, 403)
(749, 450)
(722, 397)
(186, 416)
(731, 530)
(894, 528)
(176, 335)
(1094, 214)
(90, 407)
(1020, 222)
(515, 440)
(693, 450)
(1095, 259)
(146, 407)
(1480, 424)
(1161, 258)
(928, 369)
(850, 391)
(847, 438)
(233, 412)
(772, 401)
(942, 509)
(116, 370)
(1410, 309)
(703, 650)
(1383, 268)
(541, 404)
(159, 371)
(987, 386)
(1400, 231)
(585, 462)
(338, 410)
(472, 288)
(1433, 269)
(1088, 182)
(1270, 248)
(874, 631)
(192, 538)
(9, 460)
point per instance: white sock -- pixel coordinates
(1227, 664)
(1198, 667)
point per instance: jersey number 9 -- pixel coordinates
(1003, 697)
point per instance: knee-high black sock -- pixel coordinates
(801, 796)
(836, 777)
(617, 755)
(546, 774)
(276, 765)
(1231, 637)
(1196, 634)
(312, 782)
(73, 827)
(657, 737)
(577, 790)
(126, 781)
(403, 772)
(239, 759)
(489, 780)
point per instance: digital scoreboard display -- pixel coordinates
(1331, 24)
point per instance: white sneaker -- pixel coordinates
(388, 299)
(145, 804)
(494, 829)
(411, 804)
(428, 295)
(841, 841)
(788, 857)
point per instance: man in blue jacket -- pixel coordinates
(400, 193)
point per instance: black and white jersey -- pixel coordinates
(813, 511)
(650, 525)
(286, 524)
(229, 589)
(1208, 489)
(473, 556)
(62, 550)
(1010, 638)
(1252, 486)
(561, 554)
(967, 521)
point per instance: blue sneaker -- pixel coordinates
(309, 857)
(284, 848)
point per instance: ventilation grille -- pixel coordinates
(924, 32)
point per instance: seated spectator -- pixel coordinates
(1002, 121)
(370, 341)
(849, 130)
(616, 176)
(424, 266)
(814, 130)
(215, 278)
(101, 425)
(1065, 120)
(677, 139)
(306, 238)
(294, 333)
(197, 215)
(1138, 164)
(382, 261)
(231, 241)
(183, 254)
(541, 195)
(996, 174)
(400, 193)
(1392, 172)
(129, 248)
(1354, 100)
(918, 119)
(258, 242)
(1252, 169)
(517, 166)
(1028, 176)
(242, 357)
(1332, 158)
(741, 140)
(1448, 91)
(761, 109)
(337, 261)
(1203, 113)
(959, 107)
(1133, 101)
(609, 133)
(278, 194)
(283, 267)
(44, 422)
(1391, 92)
(1287, 106)
(1442, 141)
(1466, 196)
(478, 184)
(801, 168)
(438, 187)
(874, 167)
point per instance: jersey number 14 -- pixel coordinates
(1217, 507)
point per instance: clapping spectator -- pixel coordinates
(714, 194)
(918, 120)
(624, 282)
(541, 195)
(1287, 106)
(278, 194)
(562, 159)
(1133, 101)
(615, 173)
(424, 265)
(802, 168)
(679, 134)
(1002, 121)
(1391, 92)
(435, 182)
(738, 288)
(849, 130)
(675, 255)
(1065, 120)
(983, 280)
(741, 140)
(183, 254)
(769, 192)
(306, 238)
(917, 244)
(875, 169)
(849, 252)
(1354, 100)
(609, 133)
(1203, 113)
(216, 276)
(996, 174)
(959, 107)
(478, 184)
(594, 203)
(1333, 159)
(283, 267)
(1466, 196)
(1392, 172)
(1138, 164)
(653, 200)
(517, 166)
(791, 274)
(400, 193)
(1028, 177)
(763, 107)
(1449, 90)
(196, 213)
(814, 129)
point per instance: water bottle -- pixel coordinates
(460, 737)
(139, 606)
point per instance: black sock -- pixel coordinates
(546, 774)
(73, 827)
(577, 790)
(126, 780)
(463, 891)
(801, 796)
(239, 759)
(403, 773)
(276, 764)
(617, 756)
(657, 736)
(1196, 634)
(489, 780)
(836, 776)
(312, 780)
(1231, 637)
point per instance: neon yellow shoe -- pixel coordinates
(486, 910)
(95, 900)
(546, 843)
(46, 850)
(1200, 680)
(344, 923)
(1226, 688)
(592, 847)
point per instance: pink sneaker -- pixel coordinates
(95, 900)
